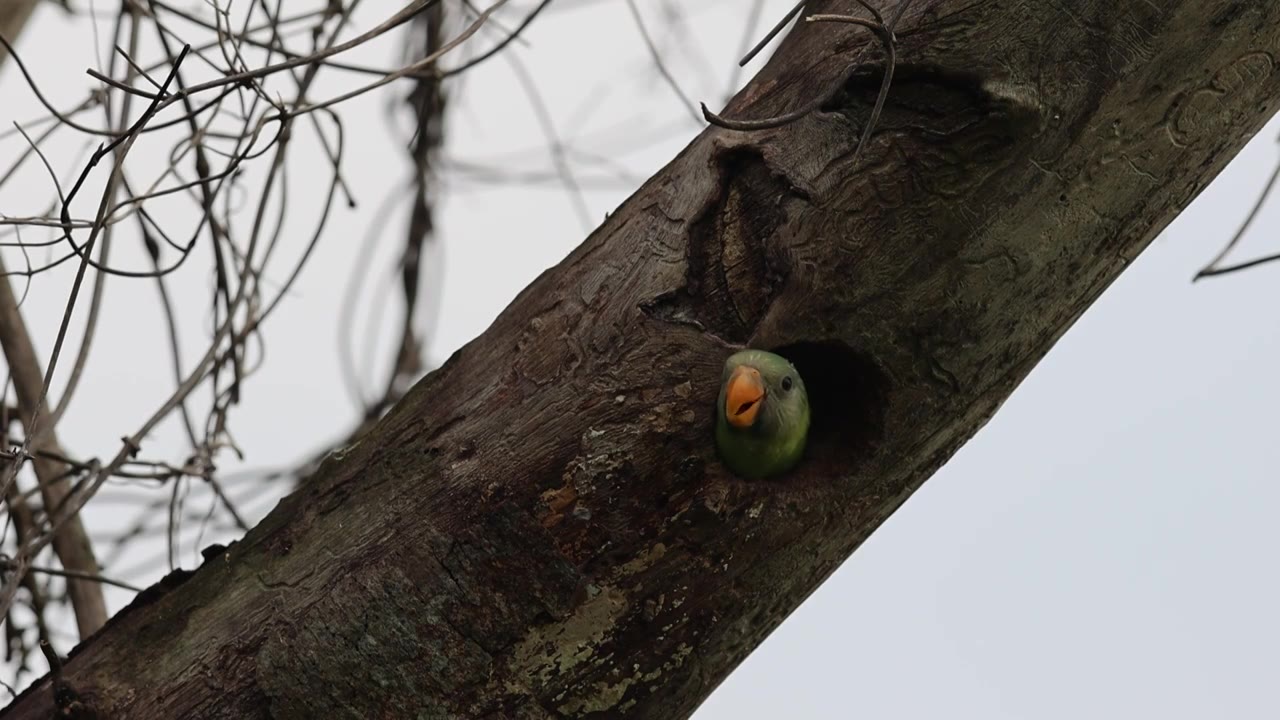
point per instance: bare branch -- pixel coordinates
(71, 542)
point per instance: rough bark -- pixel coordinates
(540, 529)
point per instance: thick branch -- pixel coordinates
(71, 543)
(540, 529)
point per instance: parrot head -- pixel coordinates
(762, 414)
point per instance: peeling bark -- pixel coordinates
(540, 529)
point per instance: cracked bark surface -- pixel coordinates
(540, 529)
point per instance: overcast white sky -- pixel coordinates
(1105, 548)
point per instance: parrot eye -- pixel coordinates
(786, 383)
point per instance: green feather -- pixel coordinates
(775, 442)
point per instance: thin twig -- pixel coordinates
(773, 32)
(1213, 268)
(883, 32)
(72, 543)
(78, 575)
(657, 61)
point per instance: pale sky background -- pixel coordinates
(1104, 548)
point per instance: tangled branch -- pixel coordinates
(228, 90)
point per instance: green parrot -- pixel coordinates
(762, 415)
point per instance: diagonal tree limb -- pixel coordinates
(71, 543)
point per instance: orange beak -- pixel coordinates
(743, 396)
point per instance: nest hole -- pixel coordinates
(848, 396)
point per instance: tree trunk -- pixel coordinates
(541, 529)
